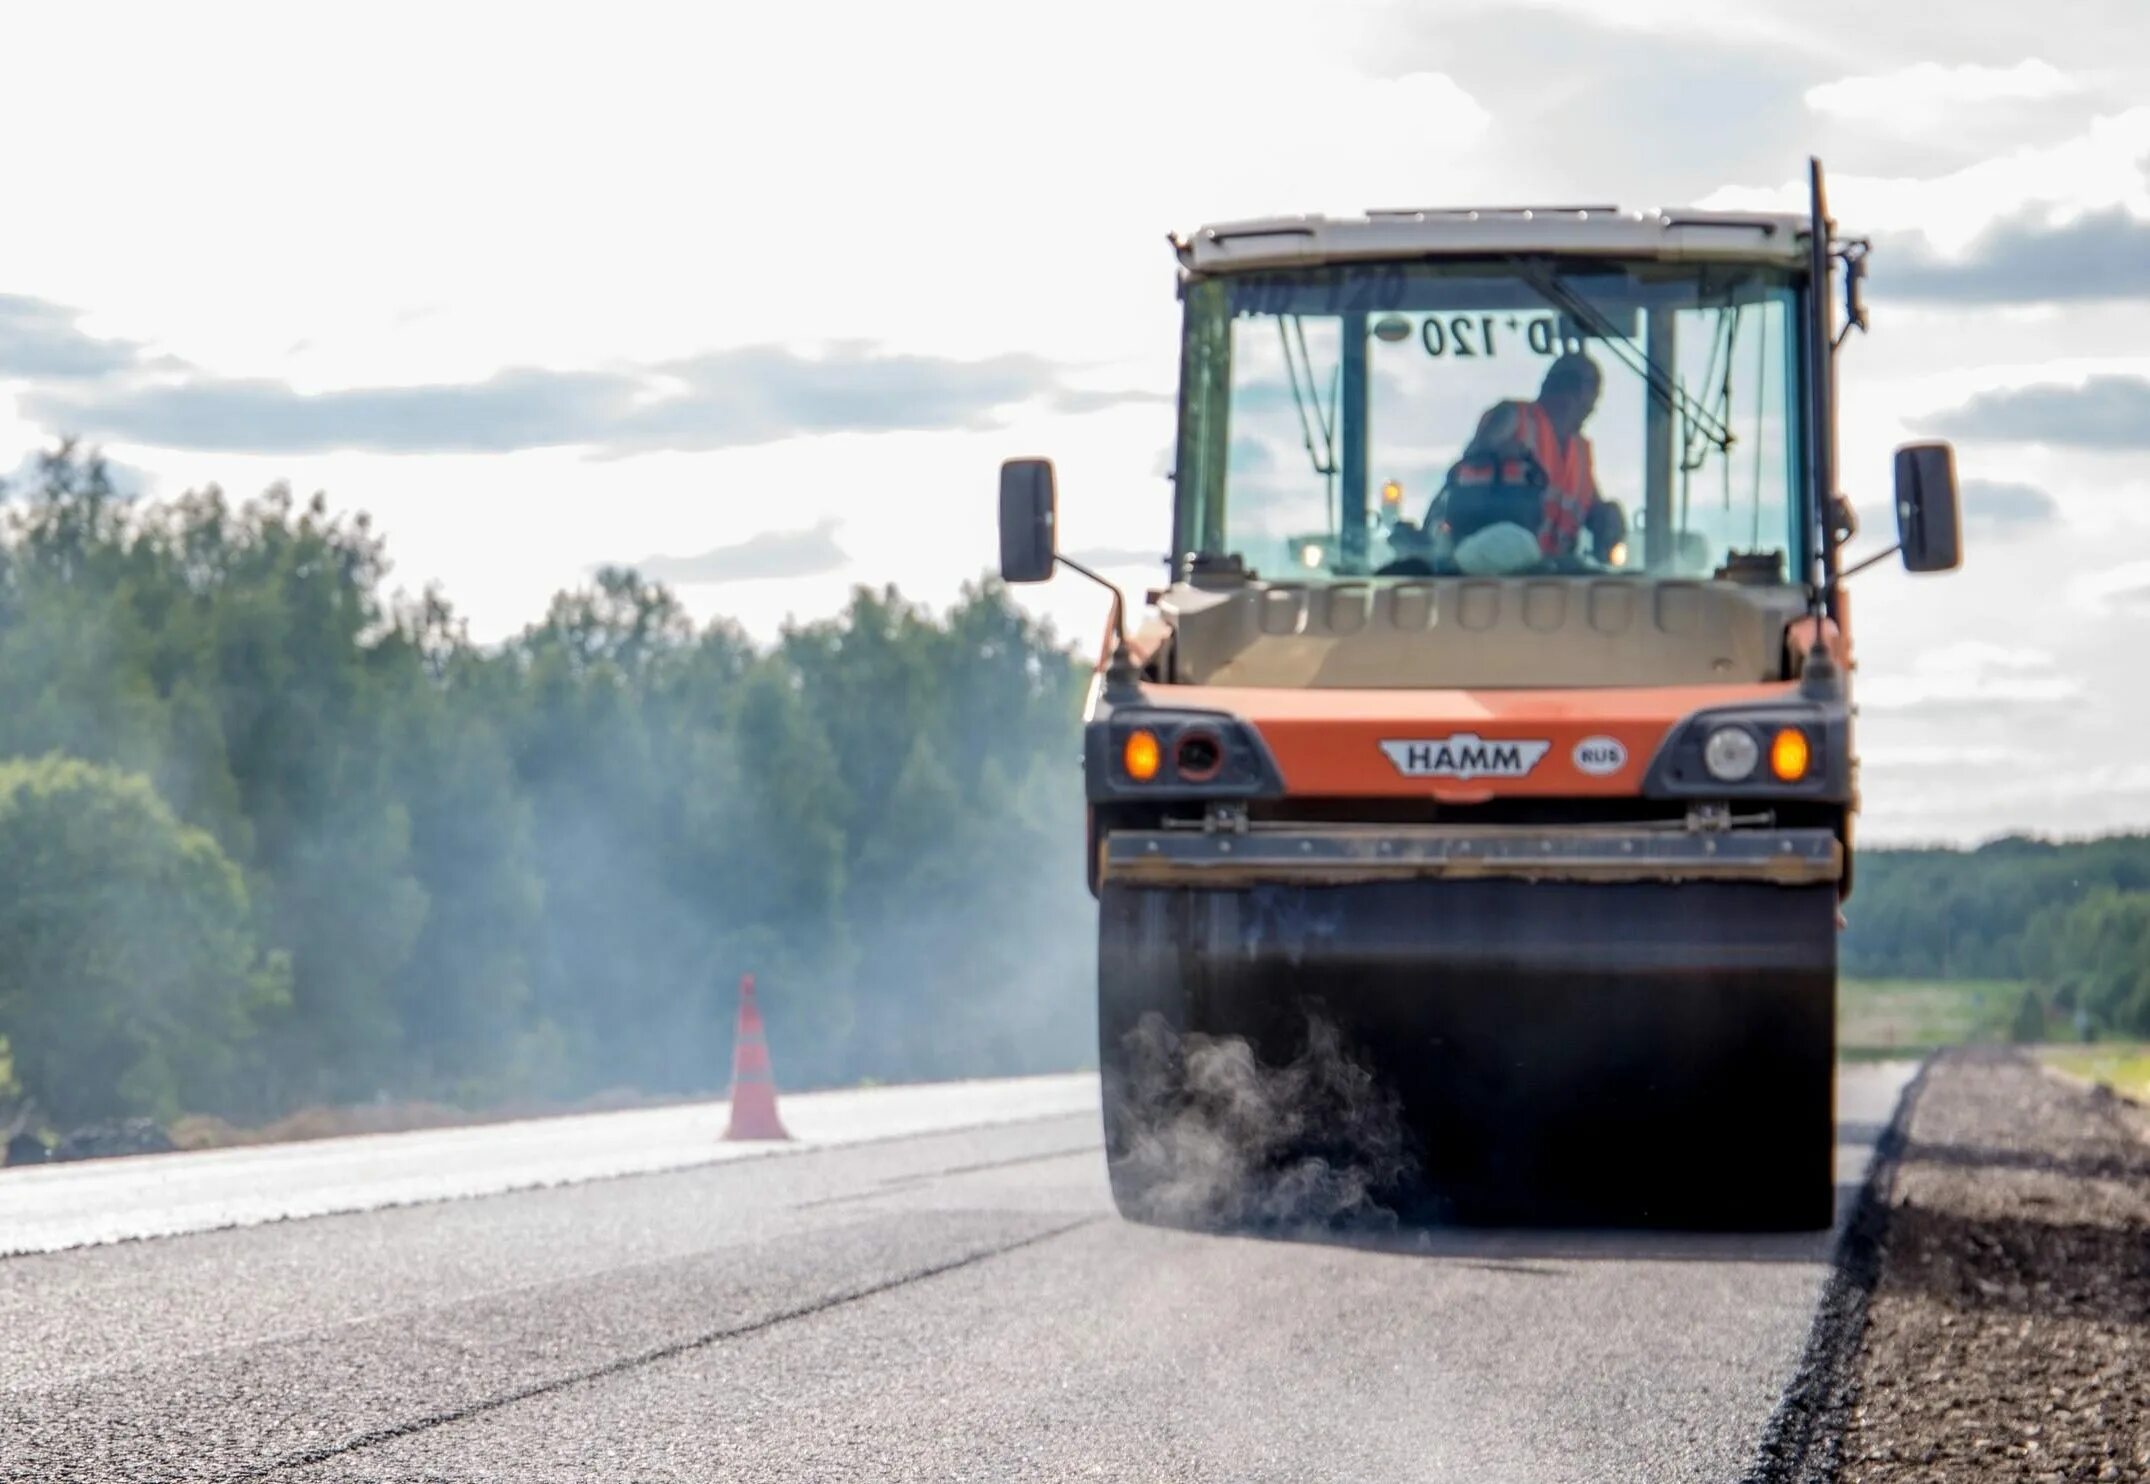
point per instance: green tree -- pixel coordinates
(130, 980)
(2095, 952)
(462, 996)
(2028, 1024)
(1966, 913)
(540, 867)
(282, 622)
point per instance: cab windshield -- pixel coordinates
(1495, 418)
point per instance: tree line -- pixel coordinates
(2072, 920)
(270, 837)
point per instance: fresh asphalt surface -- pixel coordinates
(74, 1205)
(957, 1303)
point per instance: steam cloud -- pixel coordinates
(1214, 1138)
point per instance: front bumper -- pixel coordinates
(1310, 855)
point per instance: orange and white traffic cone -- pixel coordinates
(753, 1081)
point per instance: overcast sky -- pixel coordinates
(759, 297)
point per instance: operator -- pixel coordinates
(1548, 433)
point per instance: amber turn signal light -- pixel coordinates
(1789, 755)
(1141, 756)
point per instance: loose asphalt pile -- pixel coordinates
(2008, 1337)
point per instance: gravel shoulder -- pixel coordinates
(2008, 1337)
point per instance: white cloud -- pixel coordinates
(765, 556)
(2099, 167)
(2097, 798)
(1972, 674)
(1923, 96)
(2126, 586)
(675, 178)
(1745, 22)
(1937, 755)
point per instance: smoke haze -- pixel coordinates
(1218, 1139)
(516, 874)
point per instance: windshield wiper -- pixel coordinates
(1724, 345)
(1324, 458)
(1555, 291)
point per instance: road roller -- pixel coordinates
(1470, 804)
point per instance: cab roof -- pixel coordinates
(1419, 232)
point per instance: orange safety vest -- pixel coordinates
(1570, 484)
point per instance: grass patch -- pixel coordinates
(1884, 1017)
(2123, 1067)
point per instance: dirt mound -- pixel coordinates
(2009, 1336)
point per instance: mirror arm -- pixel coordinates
(1861, 565)
(1820, 678)
(1121, 677)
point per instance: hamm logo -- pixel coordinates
(1465, 755)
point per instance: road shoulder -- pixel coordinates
(2008, 1335)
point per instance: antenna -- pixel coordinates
(1819, 676)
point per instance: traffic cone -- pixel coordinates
(753, 1083)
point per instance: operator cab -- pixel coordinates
(1340, 374)
(1547, 447)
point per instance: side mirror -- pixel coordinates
(1027, 502)
(1927, 522)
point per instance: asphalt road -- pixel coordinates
(954, 1304)
(53, 1207)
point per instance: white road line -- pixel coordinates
(52, 1207)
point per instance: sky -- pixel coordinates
(758, 298)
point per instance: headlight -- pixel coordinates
(1731, 754)
(1198, 755)
(1311, 554)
